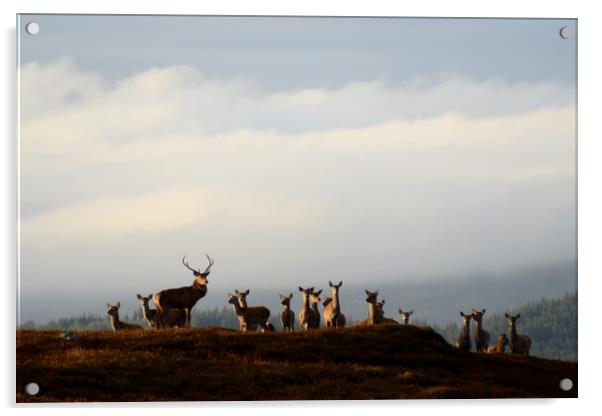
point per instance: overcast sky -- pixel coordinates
(292, 150)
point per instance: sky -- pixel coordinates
(292, 150)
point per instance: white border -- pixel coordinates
(590, 195)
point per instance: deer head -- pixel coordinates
(335, 288)
(371, 297)
(286, 300)
(326, 300)
(477, 315)
(315, 296)
(405, 315)
(242, 296)
(144, 299)
(512, 320)
(232, 299)
(466, 318)
(200, 277)
(113, 310)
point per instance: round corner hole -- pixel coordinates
(565, 32)
(566, 384)
(32, 28)
(32, 389)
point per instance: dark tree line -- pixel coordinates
(551, 324)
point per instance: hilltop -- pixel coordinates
(383, 362)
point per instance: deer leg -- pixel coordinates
(187, 324)
(158, 317)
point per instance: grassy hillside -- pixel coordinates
(384, 362)
(551, 324)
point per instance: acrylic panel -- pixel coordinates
(296, 208)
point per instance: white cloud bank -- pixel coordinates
(446, 178)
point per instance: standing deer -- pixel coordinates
(314, 311)
(332, 310)
(405, 315)
(113, 312)
(381, 310)
(500, 347)
(184, 297)
(463, 341)
(175, 317)
(305, 312)
(374, 312)
(340, 319)
(481, 337)
(287, 317)
(519, 344)
(255, 315)
(242, 300)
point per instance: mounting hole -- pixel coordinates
(565, 32)
(32, 389)
(566, 384)
(32, 28)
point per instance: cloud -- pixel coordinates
(154, 213)
(424, 179)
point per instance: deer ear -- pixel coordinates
(230, 295)
(518, 316)
(367, 293)
(376, 293)
(484, 310)
(506, 315)
(237, 292)
(462, 314)
(330, 284)
(340, 283)
(138, 296)
(109, 306)
(319, 292)
(300, 289)
(247, 292)
(150, 296)
(411, 312)
(291, 296)
(118, 305)
(400, 311)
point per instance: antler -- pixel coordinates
(188, 267)
(210, 264)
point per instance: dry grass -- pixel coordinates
(386, 362)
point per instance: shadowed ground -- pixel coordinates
(385, 362)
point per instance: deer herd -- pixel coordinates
(173, 309)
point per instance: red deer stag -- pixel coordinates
(183, 297)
